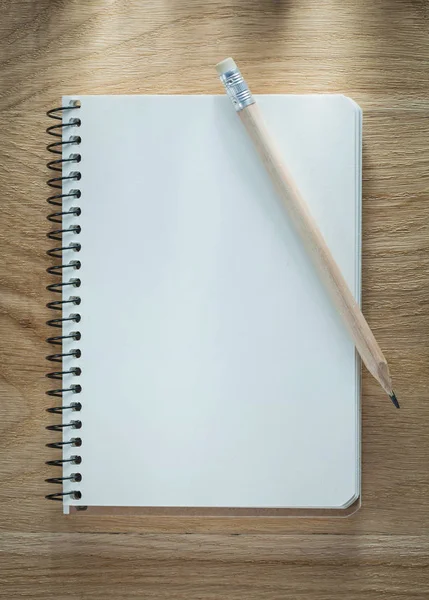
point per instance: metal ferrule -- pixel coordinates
(237, 89)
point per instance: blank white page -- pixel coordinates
(215, 370)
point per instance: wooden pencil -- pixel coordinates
(252, 119)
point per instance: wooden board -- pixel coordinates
(376, 51)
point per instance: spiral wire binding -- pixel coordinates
(71, 407)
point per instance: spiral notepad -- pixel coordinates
(183, 304)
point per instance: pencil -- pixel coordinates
(251, 117)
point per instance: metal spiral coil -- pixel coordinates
(66, 123)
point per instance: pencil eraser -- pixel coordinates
(226, 65)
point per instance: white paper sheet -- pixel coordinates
(215, 370)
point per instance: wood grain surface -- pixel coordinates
(376, 51)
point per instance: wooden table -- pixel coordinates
(376, 51)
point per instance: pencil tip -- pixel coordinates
(394, 399)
